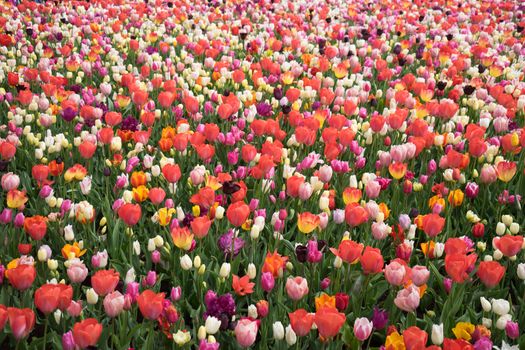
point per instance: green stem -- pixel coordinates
(45, 334)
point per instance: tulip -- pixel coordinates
(87, 332)
(113, 304)
(408, 299)
(415, 338)
(296, 288)
(130, 213)
(329, 321)
(437, 334)
(150, 304)
(105, 281)
(68, 341)
(395, 273)
(371, 261)
(22, 276)
(246, 332)
(512, 330)
(490, 273)
(21, 321)
(420, 275)
(237, 213)
(267, 281)
(278, 331)
(301, 321)
(212, 325)
(362, 328)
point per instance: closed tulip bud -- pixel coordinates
(485, 304)
(42, 254)
(252, 271)
(202, 269)
(501, 322)
(521, 271)
(225, 270)
(481, 246)
(159, 241)
(219, 212)
(69, 235)
(500, 229)
(254, 232)
(57, 315)
(512, 330)
(151, 245)
(437, 334)
(278, 330)
(212, 325)
(338, 262)
(185, 262)
(201, 334)
(498, 255)
(439, 248)
(197, 261)
(487, 322)
(91, 296)
(252, 311)
(514, 228)
(52, 264)
(291, 337)
(507, 219)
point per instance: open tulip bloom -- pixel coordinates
(262, 174)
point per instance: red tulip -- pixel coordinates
(458, 264)
(200, 226)
(46, 298)
(87, 149)
(21, 321)
(87, 332)
(171, 172)
(156, 195)
(355, 214)
(301, 321)
(433, 224)
(348, 250)
(490, 273)
(237, 213)
(509, 245)
(329, 321)
(130, 213)
(151, 304)
(415, 338)
(3, 316)
(22, 276)
(105, 281)
(40, 172)
(36, 226)
(372, 261)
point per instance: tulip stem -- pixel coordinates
(45, 334)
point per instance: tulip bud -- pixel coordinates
(487, 322)
(91, 296)
(185, 262)
(521, 271)
(224, 272)
(500, 229)
(278, 331)
(252, 271)
(501, 322)
(197, 261)
(291, 337)
(437, 334)
(485, 304)
(52, 264)
(252, 311)
(201, 334)
(500, 306)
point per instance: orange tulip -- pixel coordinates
(182, 238)
(242, 286)
(307, 222)
(397, 170)
(506, 170)
(355, 215)
(372, 261)
(348, 251)
(274, 263)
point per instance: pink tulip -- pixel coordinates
(114, 304)
(395, 273)
(296, 287)
(246, 332)
(10, 181)
(77, 272)
(420, 275)
(363, 328)
(408, 299)
(75, 308)
(267, 281)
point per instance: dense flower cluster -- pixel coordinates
(267, 174)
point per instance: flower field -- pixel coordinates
(228, 174)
